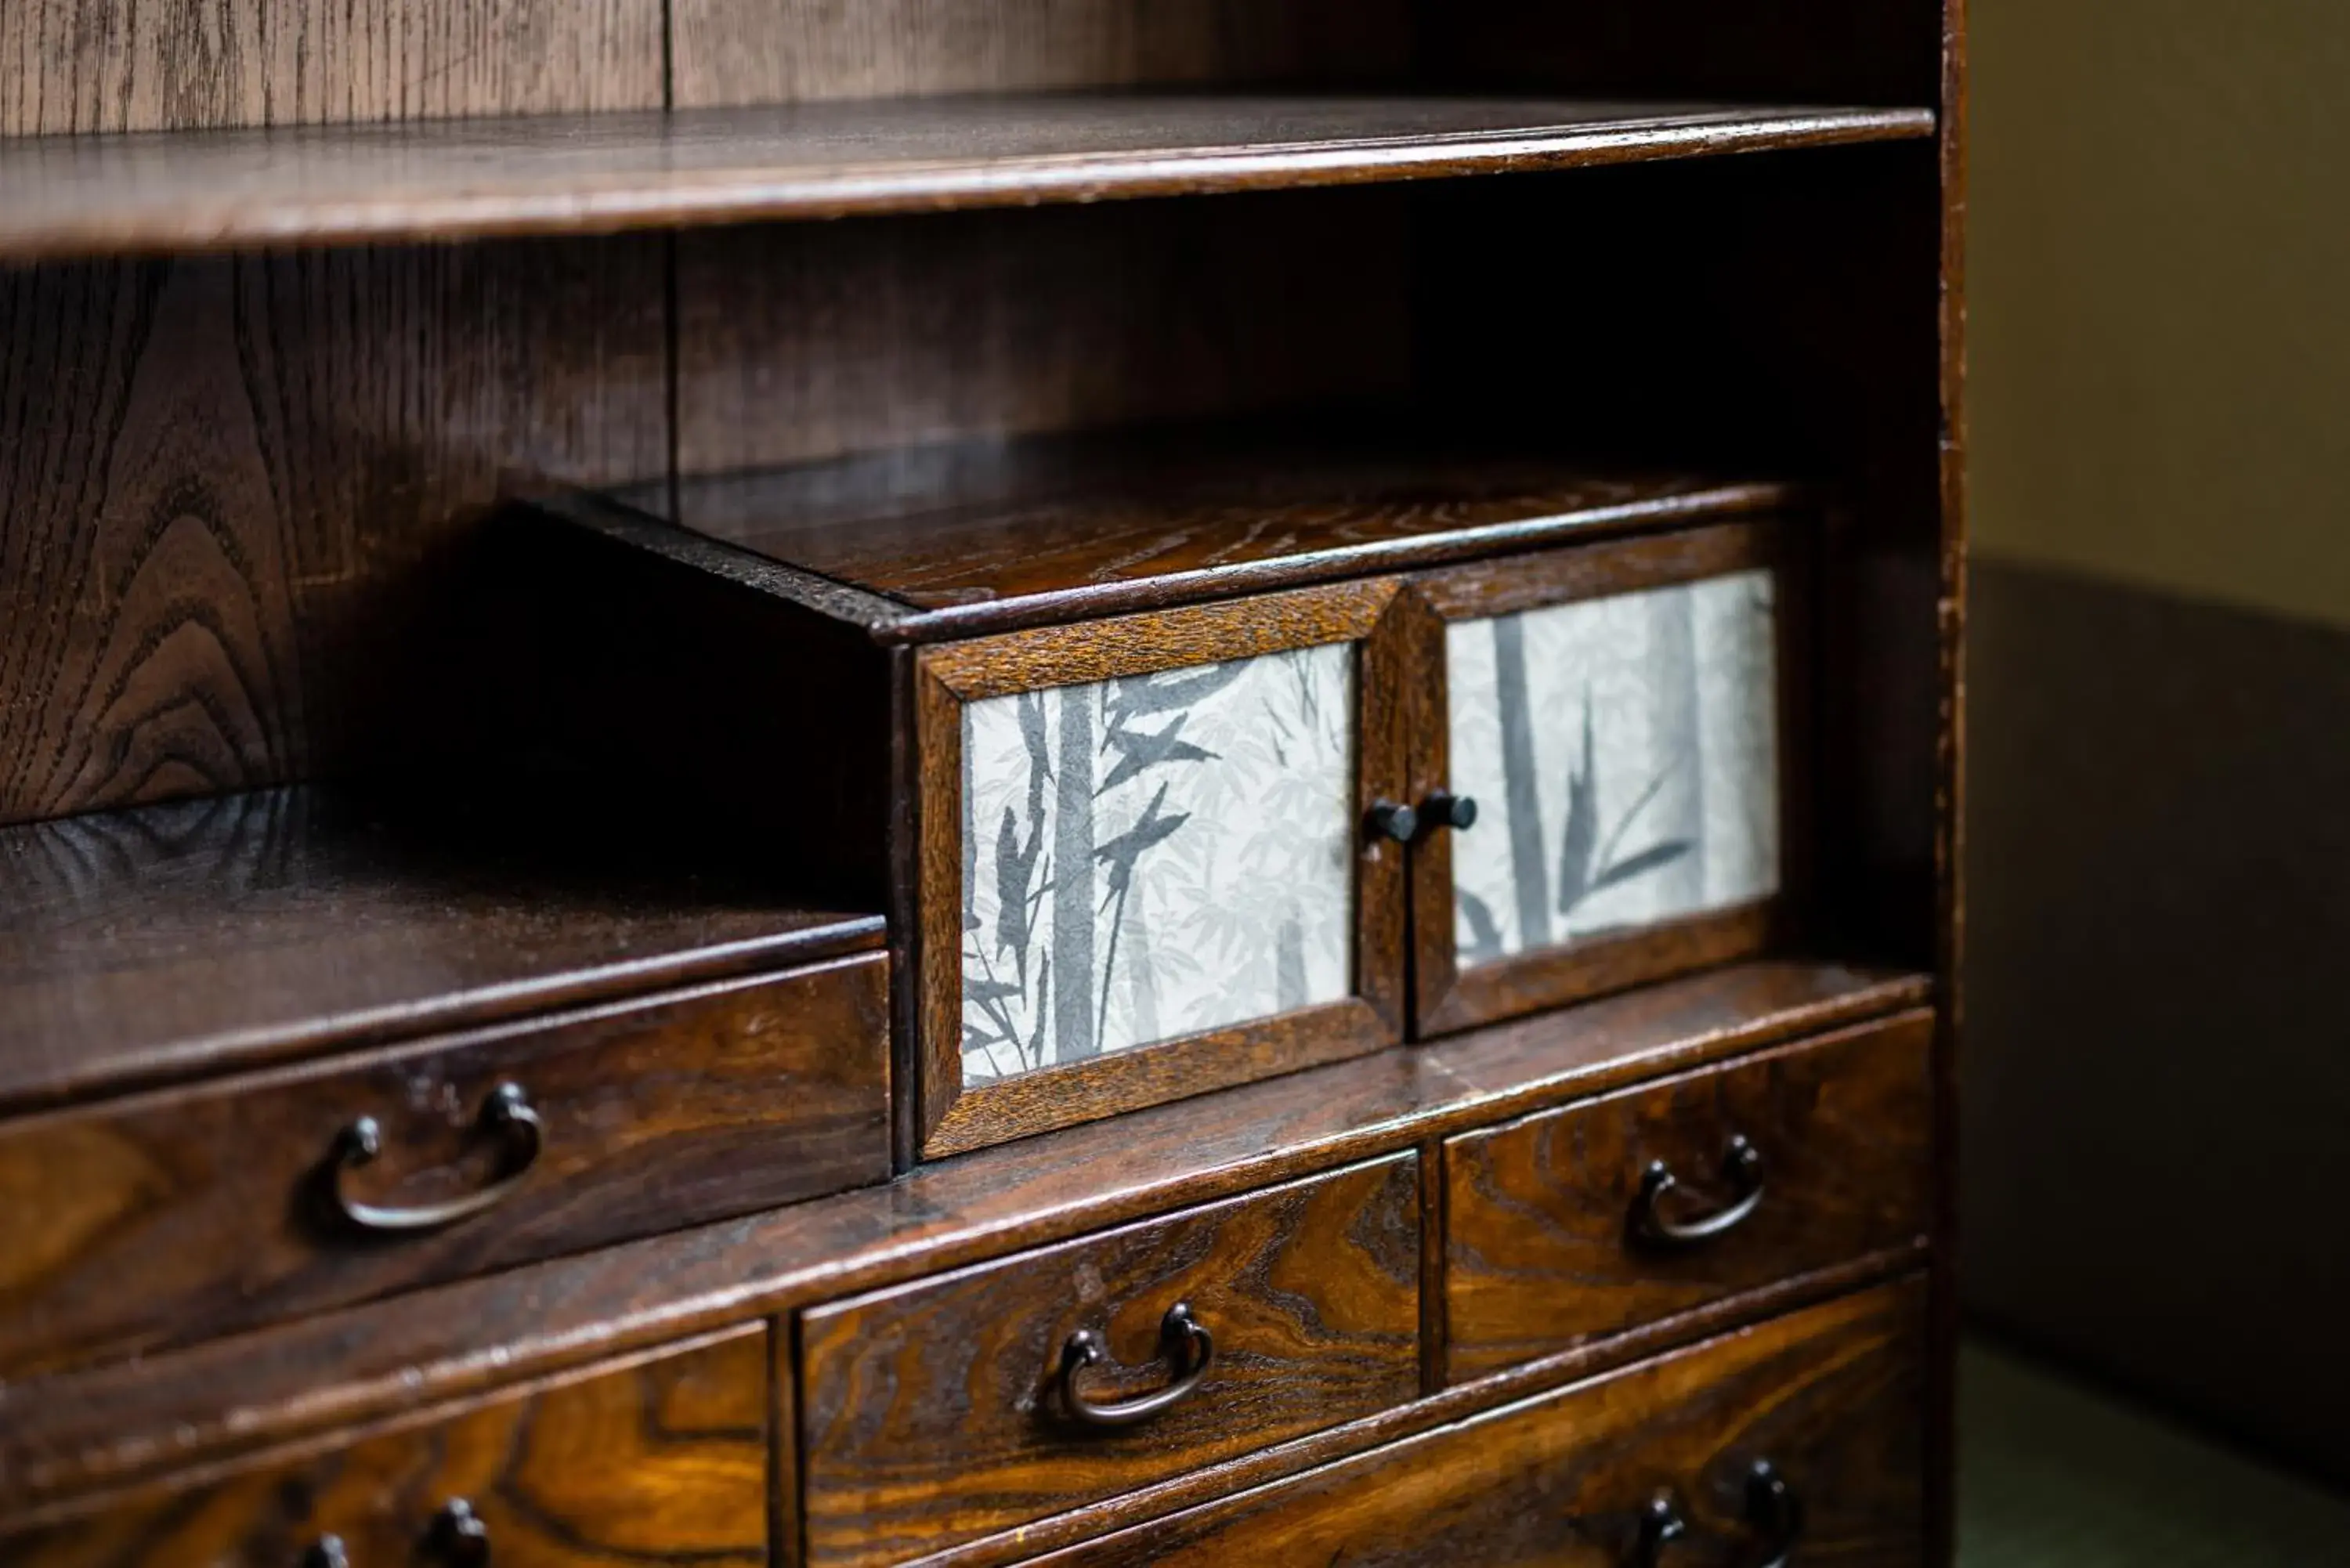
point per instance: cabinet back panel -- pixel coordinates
(802, 342)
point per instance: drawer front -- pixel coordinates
(1556, 1232)
(941, 1412)
(664, 1460)
(181, 1215)
(1830, 1399)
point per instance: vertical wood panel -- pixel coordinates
(151, 65)
(228, 483)
(784, 51)
(802, 342)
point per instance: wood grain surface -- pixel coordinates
(932, 1415)
(578, 174)
(661, 1461)
(111, 1424)
(172, 1218)
(235, 487)
(83, 66)
(1540, 1254)
(1830, 1396)
(982, 536)
(745, 51)
(877, 342)
(201, 936)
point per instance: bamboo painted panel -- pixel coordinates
(1151, 857)
(1624, 756)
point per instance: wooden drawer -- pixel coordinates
(663, 1459)
(939, 1412)
(1831, 1399)
(1548, 1237)
(179, 1215)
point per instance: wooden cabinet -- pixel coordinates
(944, 1410)
(1578, 1223)
(1799, 1440)
(662, 1461)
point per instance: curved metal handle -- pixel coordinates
(459, 1535)
(507, 1114)
(1741, 1168)
(1189, 1347)
(1662, 1524)
(1776, 1514)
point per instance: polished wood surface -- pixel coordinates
(174, 1217)
(760, 51)
(237, 492)
(953, 1116)
(169, 940)
(83, 66)
(1829, 1396)
(983, 536)
(1540, 1250)
(108, 1425)
(661, 1461)
(571, 175)
(932, 1413)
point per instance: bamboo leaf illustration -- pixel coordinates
(1140, 696)
(1040, 755)
(985, 991)
(1140, 749)
(1015, 867)
(1120, 853)
(1649, 860)
(1580, 842)
(1484, 935)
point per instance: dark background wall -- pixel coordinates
(2157, 1117)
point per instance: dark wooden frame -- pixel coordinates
(1447, 998)
(951, 1117)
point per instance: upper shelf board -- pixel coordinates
(232, 190)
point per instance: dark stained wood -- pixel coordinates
(889, 359)
(235, 490)
(986, 535)
(169, 940)
(743, 51)
(112, 1425)
(1448, 997)
(569, 174)
(1539, 1250)
(1440, 1407)
(83, 66)
(954, 1116)
(933, 1411)
(172, 1218)
(1830, 1396)
(661, 1460)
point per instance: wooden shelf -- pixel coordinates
(459, 179)
(960, 539)
(148, 945)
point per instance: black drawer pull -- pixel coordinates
(1445, 809)
(1189, 1347)
(458, 1539)
(1776, 1514)
(506, 1113)
(1662, 1524)
(327, 1552)
(1741, 1168)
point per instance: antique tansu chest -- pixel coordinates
(1057, 780)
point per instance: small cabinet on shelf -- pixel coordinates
(1187, 766)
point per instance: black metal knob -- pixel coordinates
(327, 1552)
(460, 1536)
(1445, 809)
(1662, 1524)
(1391, 819)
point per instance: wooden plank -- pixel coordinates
(85, 66)
(233, 487)
(793, 51)
(156, 943)
(342, 185)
